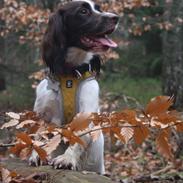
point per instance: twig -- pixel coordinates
(7, 145)
(106, 127)
(162, 171)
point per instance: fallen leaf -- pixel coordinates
(24, 137)
(127, 132)
(13, 115)
(33, 129)
(18, 148)
(140, 133)
(5, 173)
(13, 174)
(158, 105)
(25, 153)
(162, 144)
(117, 132)
(179, 127)
(71, 137)
(52, 144)
(80, 121)
(41, 152)
(23, 123)
(11, 123)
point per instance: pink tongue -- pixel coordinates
(107, 42)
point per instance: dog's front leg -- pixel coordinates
(35, 160)
(71, 159)
(88, 101)
(47, 105)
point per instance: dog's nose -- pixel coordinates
(115, 19)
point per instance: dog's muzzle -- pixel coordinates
(99, 41)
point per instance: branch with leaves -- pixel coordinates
(33, 133)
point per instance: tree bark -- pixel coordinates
(53, 175)
(173, 53)
(2, 41)
(173, 59)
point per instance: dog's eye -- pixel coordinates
(84, 11)
(97, 7)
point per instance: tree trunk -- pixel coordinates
(2, 83)
(173, 53)
(2, 41)
(173, 59)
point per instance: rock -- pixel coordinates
(52, 175)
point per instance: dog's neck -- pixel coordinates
(76, 56)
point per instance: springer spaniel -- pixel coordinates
(76, 33)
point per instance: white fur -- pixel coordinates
(92, 5)
(48, 101)
(49, 104)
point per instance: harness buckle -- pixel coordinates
(79, 75)
(89, 68)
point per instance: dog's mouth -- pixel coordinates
(99, 42)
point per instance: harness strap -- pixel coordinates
(69, 86)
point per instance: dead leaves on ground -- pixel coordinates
(7, 176)
(34, 134)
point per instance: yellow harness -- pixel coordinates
(69, 86)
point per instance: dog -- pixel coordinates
(77, 32)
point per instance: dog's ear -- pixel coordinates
(54, 43)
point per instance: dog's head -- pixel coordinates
(80, 24)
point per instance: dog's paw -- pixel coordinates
(65, 162)
(34, 160)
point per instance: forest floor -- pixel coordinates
(131, 163)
